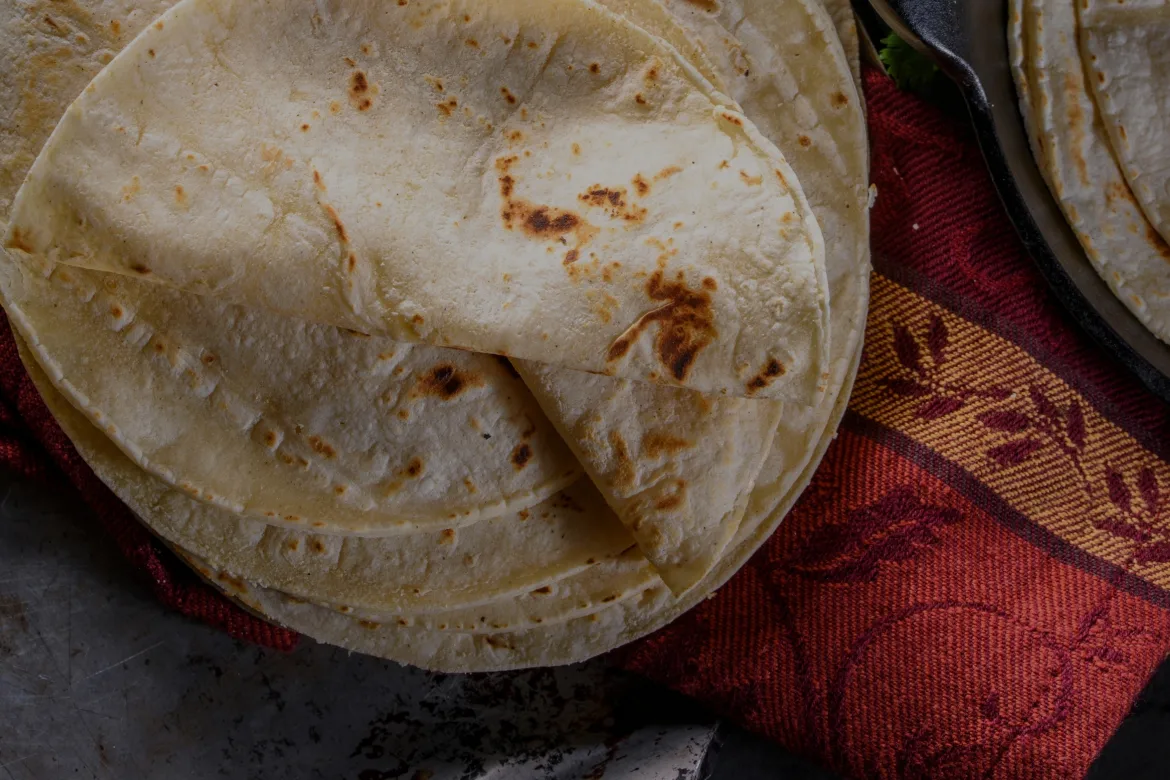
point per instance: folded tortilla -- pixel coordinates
(1126, 51)
(677, 468)
(533, 178)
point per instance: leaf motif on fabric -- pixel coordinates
(894, 528)
(1009, 422)
(1015, 452)
(938, 407)
(937, 339)
(907, 349)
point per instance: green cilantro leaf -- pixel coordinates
(910, 69)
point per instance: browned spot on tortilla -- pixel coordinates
(19, 241)
(733, 119)
(294, 544)
(522, 514)
(773, 369)
(710, 6)
(337, 223)
(322, 447)
(317, 545)
(507, 366)
(641, 185)
(1121, 132)
(158, 25)
(673, 500)
(603, 196)
(150, 52)
(626, 474)
(521, 455)
(340, 489)
(116, 27)
(404, 414)
(447, 536)
(780, 176)
(576, 148)
(508, 96)
(180, 195)
(305, 128)
(270, 438)
(686, 323)
(471, 488)
(533, 44)
(608, 599)
(365, 47)
(49, 21)
(350, 61)
(499, 642)
(447, 106)
(414, 468)
(652, 73)
(659, 442)
(334, 107)
(116, 310)
(667, 172)
(515, 136)
(544, 590)
(839, 100)
(539, 221)
(351, 262)
(367, 624)
(1156, 241)
(318, 180)
(235, 582)
(472, 42)
(751, 181)
(131, 189)
(570, 257)
(639, 99)
(417, 319)
(594, 67)
(445, 381)
(160, 346)
(804, 141)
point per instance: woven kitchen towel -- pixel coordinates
(977, 583)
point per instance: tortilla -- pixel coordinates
(676, 469)
(233, 150)
(1083, 174)
(675, 466)
(801, 441)
(569, 642)
(259, 414)
(296, 424)
(409, 574)
(1126, 51)
(49, 51)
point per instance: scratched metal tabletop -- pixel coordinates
(99, 680)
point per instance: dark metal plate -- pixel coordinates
(968, 40)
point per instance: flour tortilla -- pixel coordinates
(1083, 174)
(675, 468)
(259, 414)
(407, 574)
(569, 642)
(798, 447)
(187, 160)
(292, 423)
(1126, 51)
(49, 51)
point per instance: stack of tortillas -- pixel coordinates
(1093, 78)
(473, 335)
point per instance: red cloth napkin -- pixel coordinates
(976, 582)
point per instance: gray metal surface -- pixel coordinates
(98, 680)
